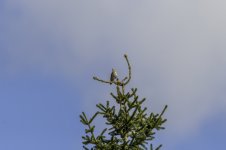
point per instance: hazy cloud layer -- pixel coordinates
(177, 49)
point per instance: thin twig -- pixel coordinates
(104, 81)
(129, 67)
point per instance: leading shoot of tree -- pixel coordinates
(128, 126)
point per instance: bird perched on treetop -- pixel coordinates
(113, 75)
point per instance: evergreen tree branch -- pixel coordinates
(130, 128)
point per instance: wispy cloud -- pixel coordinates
(176, 48)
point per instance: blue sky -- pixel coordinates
(49, 51)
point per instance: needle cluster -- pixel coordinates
(129, 126)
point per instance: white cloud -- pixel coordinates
(177, 49)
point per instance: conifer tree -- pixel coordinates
(128, 126)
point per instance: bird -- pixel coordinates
(113, 75)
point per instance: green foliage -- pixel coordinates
(129, 126)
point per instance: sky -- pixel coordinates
(50, 50)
